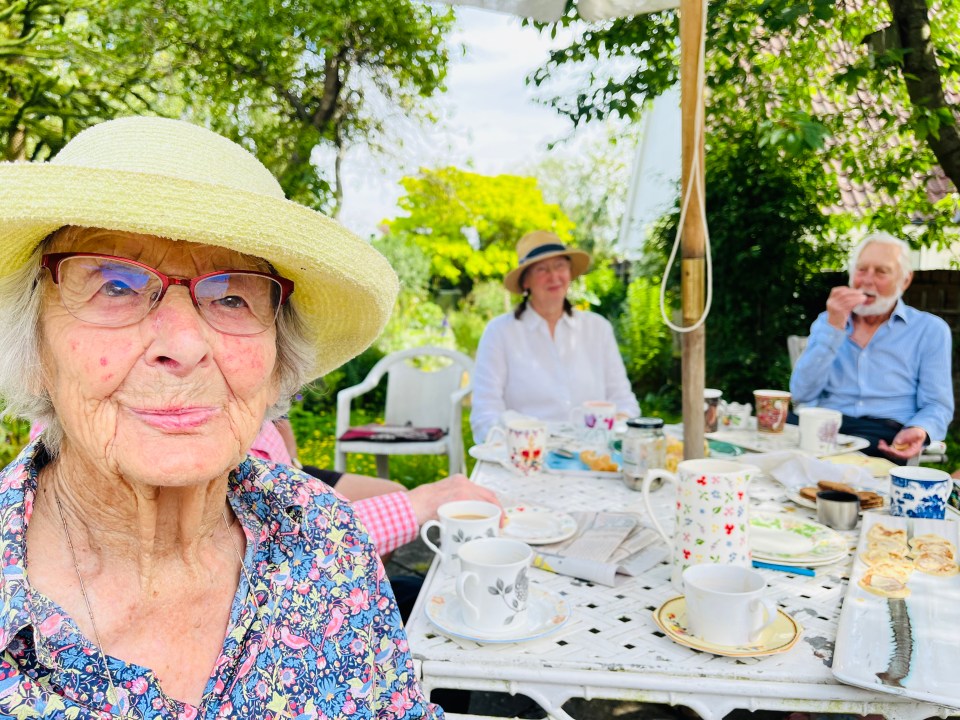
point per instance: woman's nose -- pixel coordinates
(179, 335)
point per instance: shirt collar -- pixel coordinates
(534, 319)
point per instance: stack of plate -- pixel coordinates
(796, 542)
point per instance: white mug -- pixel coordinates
(493, 586)
(459, 523)
(526, 444)
(735, 416)
(818, 429)
(726, 604)
(594, 421)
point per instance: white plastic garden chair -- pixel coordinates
(421, 398)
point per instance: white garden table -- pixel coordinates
(611, 648)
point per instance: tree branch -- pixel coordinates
(921, 74)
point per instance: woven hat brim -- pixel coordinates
(579, 264)
(344, 289)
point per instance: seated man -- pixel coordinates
(882, 363)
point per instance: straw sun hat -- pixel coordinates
(540, 245)
(175, 180)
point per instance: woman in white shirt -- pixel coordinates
(545, 358)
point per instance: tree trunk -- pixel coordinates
(924, 83)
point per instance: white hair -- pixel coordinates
(905, 258)
(21, 372)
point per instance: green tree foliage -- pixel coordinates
(862, 84)
(445, 207)
(69, 64)
(287, 78)
(762, 214)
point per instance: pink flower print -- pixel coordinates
(400, 702)
(189, 713)
(50, 626)
(139, 686)
(609, 423)
(590, 420)
(728, 510)
(359, 600)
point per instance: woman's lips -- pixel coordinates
(175, 418)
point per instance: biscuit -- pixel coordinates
(810, 493)
(836, 486)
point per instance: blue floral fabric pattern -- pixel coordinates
(317, 636)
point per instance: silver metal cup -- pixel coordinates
(838, 510)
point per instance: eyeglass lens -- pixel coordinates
(114, 293)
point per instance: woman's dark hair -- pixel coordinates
(522, 306)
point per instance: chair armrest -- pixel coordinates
(936, 447)
(456, 409)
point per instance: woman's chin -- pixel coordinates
(178, 461)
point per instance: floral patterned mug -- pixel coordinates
(712, 513)
(493, 586)
(526, 444)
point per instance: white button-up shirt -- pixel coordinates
(521, 368)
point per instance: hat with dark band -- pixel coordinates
(541, 245)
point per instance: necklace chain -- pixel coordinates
(86, 599)
(86, 602)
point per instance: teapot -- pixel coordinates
(712, 513)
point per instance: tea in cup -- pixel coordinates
(772, 409)
(726, 604)
(919, 492)
(711, 409)
(459, 523)
(818, 429)
(526, 444)
(493, 586)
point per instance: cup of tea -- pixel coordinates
(711, 409)
(460, 522)
(919, 492)
(772, 409)
(493, 586)
(726, 604)
(818, 429)
(526, 443)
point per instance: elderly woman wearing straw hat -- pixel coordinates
(545, 358)
(158, 298)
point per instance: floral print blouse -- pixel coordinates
(318, 636)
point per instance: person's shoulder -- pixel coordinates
(273, 488)
(501, 324)
(588, 318)
(928, 319)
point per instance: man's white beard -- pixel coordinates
(880, 306)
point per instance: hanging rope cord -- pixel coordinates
(694, 179)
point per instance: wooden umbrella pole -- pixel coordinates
(693, 275)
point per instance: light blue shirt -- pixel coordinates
(902, 374)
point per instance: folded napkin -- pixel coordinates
(794, 470)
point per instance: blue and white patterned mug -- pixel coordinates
(919, 492)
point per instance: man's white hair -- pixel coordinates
(906, 261)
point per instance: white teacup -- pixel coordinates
(459, 523)
(493, 586)
(526, 444)
(919, 492)
(594, 421)
(726, 604)
(818, 429)
(735, 416)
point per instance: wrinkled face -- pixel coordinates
(548, 280)
(879, 275)
(168, 400)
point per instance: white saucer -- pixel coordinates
(538, 525)
(546, 612)
(782, 634)
(803, 541)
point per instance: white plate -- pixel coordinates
(807, 563)
(538, 525)
(777, 638)
(786, 537)
(789, 439)
(545, 613)
(489, 452)
(905, 647)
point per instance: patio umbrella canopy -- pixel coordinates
(693, 226)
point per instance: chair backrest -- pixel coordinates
(796, 344)
(422, 397)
